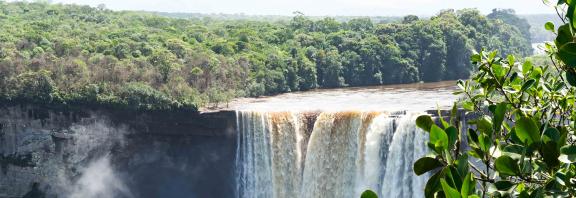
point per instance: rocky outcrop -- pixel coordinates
(106, 153)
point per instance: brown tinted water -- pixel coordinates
(408, 97)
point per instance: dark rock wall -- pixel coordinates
(103, 153)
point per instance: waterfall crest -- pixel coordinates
(328, 154)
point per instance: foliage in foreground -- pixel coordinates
(68, 54)
(521, 141)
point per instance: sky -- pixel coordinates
(318, 7)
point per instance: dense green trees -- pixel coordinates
(509, 16)
(69, 54)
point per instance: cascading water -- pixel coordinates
(328, 154)
(408, 144)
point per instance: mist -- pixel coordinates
(99, 180)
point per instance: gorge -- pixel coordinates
(268, 147)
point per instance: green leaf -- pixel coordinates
(424, 122)
(550, 152)
(452, 133)
(551, 134)
(524, 194)
(513, 76)
(561, 178)
(468, 185)
(499, 113)
(571, 77)
(426, 164)
(511, 59)
(484, 124)
(564, 35)
(514, 150)
(567, 53)
(461, 85)
(527, 85)
(549, 26)
(441, 118)
(505, 165)
(453, 113)
(536, 72)
(472, 135)
(498, 71)
(527, 67)
(462, 164)
(468, 105)
(454, 179)
(568, 154)
(433, 184)
(438, 137)
(485, 142)
(563, 136)
(527, 130)
(449, 192)
(503, 185)
(369, 194)
(476, 58)
(514, 136)
(492, 55)
(571, 12)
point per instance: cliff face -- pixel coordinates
(104, 153)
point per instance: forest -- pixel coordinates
(81, 55)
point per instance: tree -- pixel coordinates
(330, 69)
(360, 24)
(509, 17)
(410, 19)
(522, 131)
(299, 22)
(164, 61)
(432, 52)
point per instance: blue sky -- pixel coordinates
(317, 7)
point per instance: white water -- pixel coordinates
(407, 146)
(329, 154)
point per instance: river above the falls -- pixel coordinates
(403, 97)
(335, 143)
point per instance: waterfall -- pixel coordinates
(328, 154)
(407, 146)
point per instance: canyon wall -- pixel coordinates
(60, 152)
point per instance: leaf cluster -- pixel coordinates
(518, 137)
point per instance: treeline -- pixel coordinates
(68, 54)
(272, 18)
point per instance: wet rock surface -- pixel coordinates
(101, 153)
